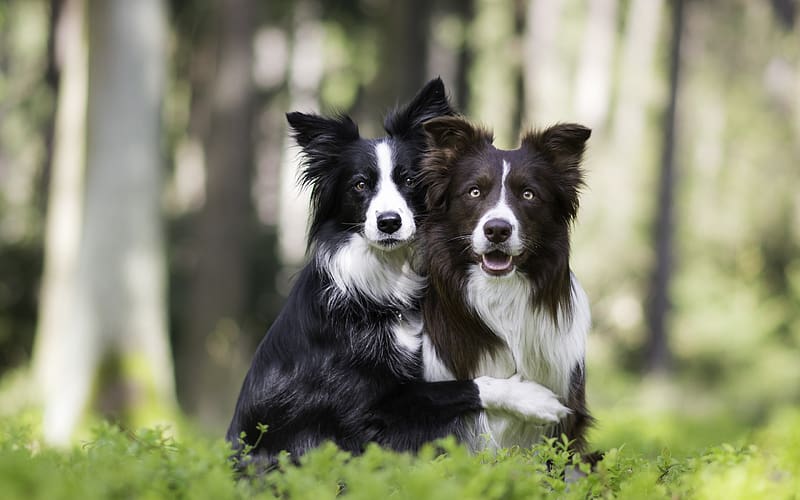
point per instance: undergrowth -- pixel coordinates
(150, 463)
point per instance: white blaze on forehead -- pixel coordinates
(506, 168)
(387, 198)
(501, 210)
(385, 163)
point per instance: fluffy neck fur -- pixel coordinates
(357, 271)
(538, 345)
(459, 309)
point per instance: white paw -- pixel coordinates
(528, 400)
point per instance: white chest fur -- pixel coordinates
(536, 346)
(356, 268)
(383, 276)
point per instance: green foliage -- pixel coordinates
(151, 463)
(26, 105)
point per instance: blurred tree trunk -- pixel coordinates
(51, 78)
(658, 358)
(447, 55)
(636, 75)
(494, 72)
(112, 344)
(546, 73)
(786, 12)
(635, 99)
(464, 10)
(55, 353)
(596, 64)
(405, 29)
(305, 75)
(625, 162)
(122, 263)
(211, 343)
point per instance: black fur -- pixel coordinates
(330, 367)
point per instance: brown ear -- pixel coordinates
(449, 137)
(454, 135)
(564, 143)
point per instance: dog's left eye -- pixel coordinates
(528, 194)
(474, 192)
(409, 181)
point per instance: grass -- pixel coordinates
(651, 457)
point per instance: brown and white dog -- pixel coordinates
(502, 300)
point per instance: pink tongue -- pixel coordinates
(496, 261)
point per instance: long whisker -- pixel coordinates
(532, 244)
(460, 237)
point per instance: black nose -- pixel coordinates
(497, 230)
(389, 222)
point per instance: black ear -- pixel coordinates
(449, 138)
(313, 131)
(563, 145)
(322, 140)
(431, 101)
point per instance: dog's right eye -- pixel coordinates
(474, 192)
(360, 186)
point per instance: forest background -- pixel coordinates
(150, 223)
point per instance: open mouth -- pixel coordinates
(497, 263)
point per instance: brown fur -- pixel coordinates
(461, 155)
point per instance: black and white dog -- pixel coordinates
(502, 299)
(342, 362)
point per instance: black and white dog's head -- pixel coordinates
(511, 211)
(366, 187)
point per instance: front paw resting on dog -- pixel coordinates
(529, 400)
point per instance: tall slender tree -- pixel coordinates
(208, 348)
(111, 351)
(52, 357)
(51, 78)
(636, 79)
(657, 353)
(595, 66)
(494, 72)
(408, 21)
(545, 71)
(305, 75)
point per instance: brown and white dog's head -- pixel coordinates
(502, 211)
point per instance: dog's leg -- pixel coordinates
(419, 412)
(526, 399)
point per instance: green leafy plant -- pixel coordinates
(154, 463)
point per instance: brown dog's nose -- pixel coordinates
(497, 230)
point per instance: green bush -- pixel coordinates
(151, 464)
